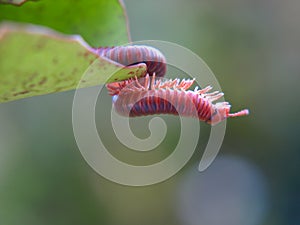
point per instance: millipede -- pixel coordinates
(149, 95)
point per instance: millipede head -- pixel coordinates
(222, 112)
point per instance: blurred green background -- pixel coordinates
(253, 49)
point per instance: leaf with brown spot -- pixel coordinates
(35, 60)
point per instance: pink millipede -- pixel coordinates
(144, 97)
(141, 97)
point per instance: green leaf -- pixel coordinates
(36, 60)
(99, 22)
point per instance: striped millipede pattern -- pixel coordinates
(134, 54)
(149, 96)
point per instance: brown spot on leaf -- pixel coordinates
(40, 44)
(75, 70)
(79, 53)
(86, 54)
(42, 81)
(21, 93)
(54, 61)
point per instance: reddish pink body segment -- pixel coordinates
(133, 54)
(144, 97)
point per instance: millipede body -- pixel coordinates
(149, 96)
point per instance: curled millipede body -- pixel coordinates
(134, 54)
(149, 96)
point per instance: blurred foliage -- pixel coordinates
(252, 47)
